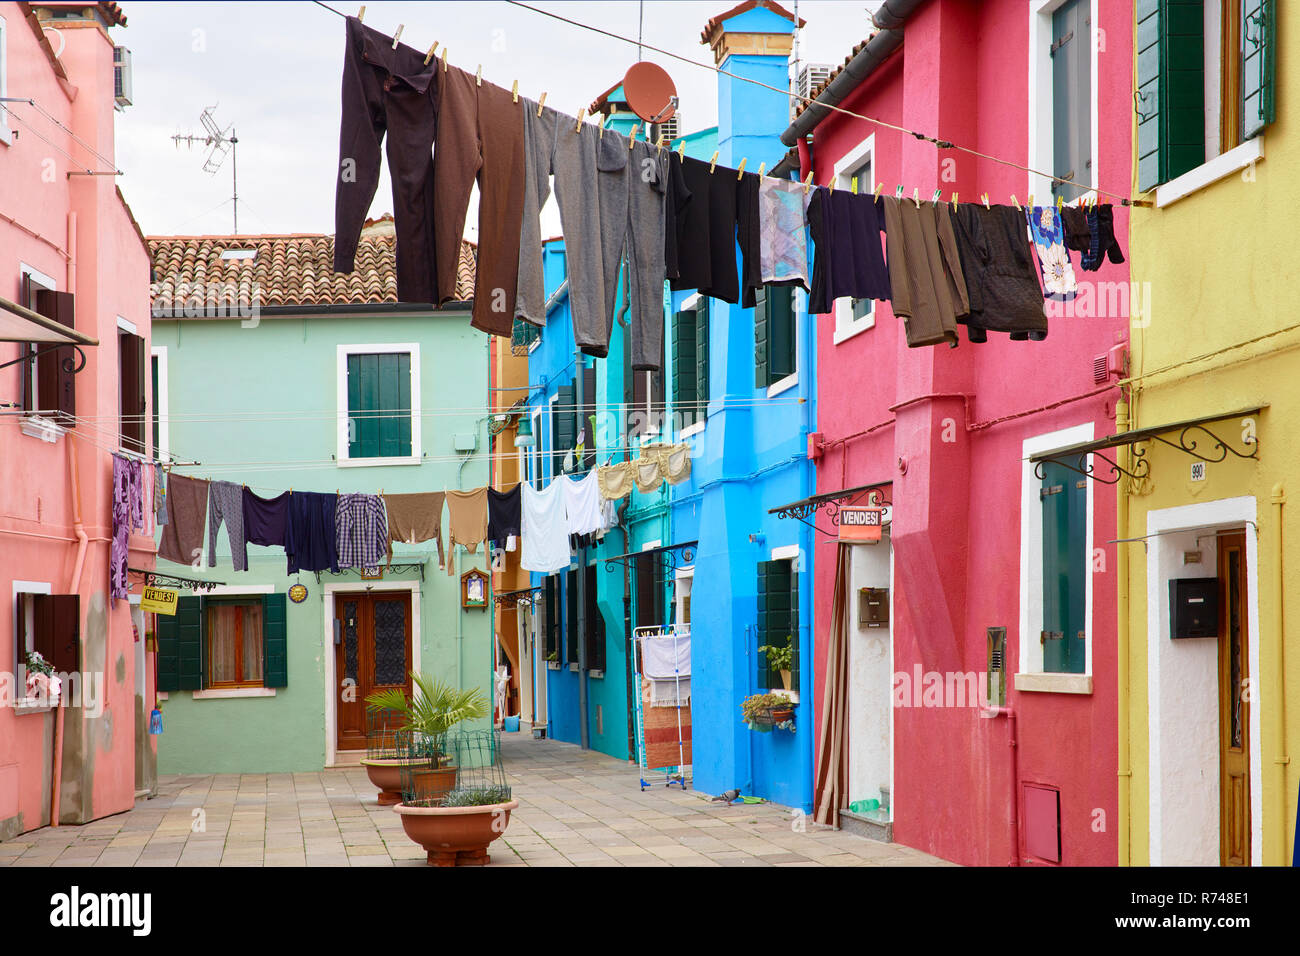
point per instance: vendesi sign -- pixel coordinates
(861, 524)
(159, 600)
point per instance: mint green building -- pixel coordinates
(265, 364)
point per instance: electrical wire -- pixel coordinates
(84, 145)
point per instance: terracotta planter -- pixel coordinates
(781, 716)
(430, 786)
(456, 836)
(386, 774)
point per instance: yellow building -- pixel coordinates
(1209, 450)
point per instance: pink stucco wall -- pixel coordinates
(78, 232)
(962, 74)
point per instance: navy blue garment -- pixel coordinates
(265, 519)
(504, 514)
(309, 538)
(848, 261)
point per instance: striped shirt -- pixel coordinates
(361, 526)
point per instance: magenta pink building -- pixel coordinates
(995, 573)
(71, 253)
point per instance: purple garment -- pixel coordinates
(128, 513)
(309, 540)
(361, 523)
(265, 519)
(848, 261)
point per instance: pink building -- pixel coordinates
(996, 569)
(70, 252)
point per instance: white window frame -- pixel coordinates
(798, 307)
(848, 166)
(1029, 674)
(692, 304)
(417, 422)
(6, 132)
(37, 426)
(163, 451)
(25, 704)
(1041, 112)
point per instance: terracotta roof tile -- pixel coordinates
(283, 270)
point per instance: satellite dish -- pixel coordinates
(650, 92)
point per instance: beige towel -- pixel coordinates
(468, 515)
(615, 480)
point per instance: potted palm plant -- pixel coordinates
(780, 659)
(427, 715)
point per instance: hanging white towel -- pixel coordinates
(582, 503)
(665, 658)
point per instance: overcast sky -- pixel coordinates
(273, 72)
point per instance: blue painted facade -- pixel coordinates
(749, 457)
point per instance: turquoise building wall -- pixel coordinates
(259, 406)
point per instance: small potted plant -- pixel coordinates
(762, 711)
(553, 661)
(428, 714)
(780, 659)
(42, 684)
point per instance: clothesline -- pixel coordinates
(938, 143)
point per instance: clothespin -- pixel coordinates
(514, 92)
(478, 76)
(1059, 202)
(853, 185)
(681, 149)
(807, 183)
(444, 59)
(740, 171)
(398, 35)
(1030, 204)
(659, 143)
(937, 194)
(1014, 201)
(361, 14)
(985, 197)
(581, 115)
(762, 167)
(898, 193)
(429, 55)
(954, 202)
(540, 103)
(714, 160)
(879, 186)
(916, 196)
(830, 186)
(631, 140)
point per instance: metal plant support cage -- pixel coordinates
(461, 769)
(385, 737)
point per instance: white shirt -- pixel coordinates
(544, 530)
(582, 503)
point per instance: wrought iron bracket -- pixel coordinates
(670, 557)
(1220, 448)
(1140, 469)
(70, 365)
(400, 568)
(164, 580)
(528, 597)
(832, 502)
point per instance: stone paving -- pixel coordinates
(575, 809)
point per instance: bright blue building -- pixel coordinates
(737, 385)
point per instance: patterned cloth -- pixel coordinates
(361, 524)
(783, 231)
(159, 496)
(1048, 235)
(128, 513)
(226, 503)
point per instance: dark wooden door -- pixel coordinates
(373, 653)
(1234, 704)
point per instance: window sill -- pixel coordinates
(692, 430)
(573, 668)
(596, 673)
(234, 693)
(1055, 683)
(1222, 166)
(46, 430)
(857, 327)
(782, 385)
(792, 694)
(376, 462)
(552, 665)
(30, 705)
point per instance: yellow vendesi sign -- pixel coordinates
(158, 601)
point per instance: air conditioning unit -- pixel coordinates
(121, 76)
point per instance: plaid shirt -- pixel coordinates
(361, 526)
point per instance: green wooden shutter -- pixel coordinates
(1259, 65)
(168, 636)
(1182, 112)
(552, 634)
(275, 641)
(762, 376)
(564, 422)
(794, 626)
(702, 358)
(775, 620)
(781, 352)
(571, 614)
(1071, 97)
(684, 390)
(189, 656)
(1065, 568)
(595, 624)
(589, 406)
(379, 405)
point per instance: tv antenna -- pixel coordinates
(221, 143)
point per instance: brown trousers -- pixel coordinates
(480, 136)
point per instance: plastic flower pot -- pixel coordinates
(456, 836)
